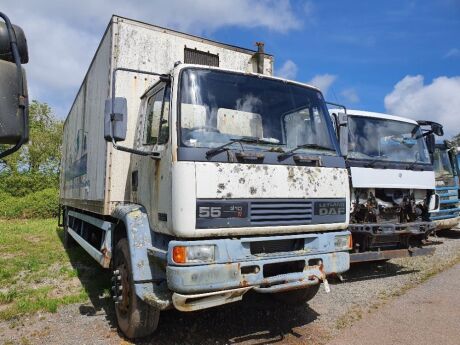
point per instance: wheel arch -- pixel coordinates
(134, 225)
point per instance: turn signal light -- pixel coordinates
(350, 242)
(180, 254)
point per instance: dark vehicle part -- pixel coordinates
(385, 255)
(68, 241)
(389, 219)
(14, 128)
(135, 317)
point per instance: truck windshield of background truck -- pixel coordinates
(442, 164)
(217, 107)
(386, 140)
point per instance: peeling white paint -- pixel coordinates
(234, 180)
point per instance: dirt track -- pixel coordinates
(256, 320)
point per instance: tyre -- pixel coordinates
(136, 319)
(68, 240)
(299, 296)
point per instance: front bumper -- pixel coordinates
(377, 236)
(259, 263)
(310, 269)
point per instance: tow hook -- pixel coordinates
(326, 285)
(324, 279)
(117, 288)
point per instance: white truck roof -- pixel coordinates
(363, 113)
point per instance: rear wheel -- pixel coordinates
(299, 296)
(135, 318)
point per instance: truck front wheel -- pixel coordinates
(300, 296)
(135, 318)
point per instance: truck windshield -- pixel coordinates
(386, 140)
(217, 107)
(442, 164)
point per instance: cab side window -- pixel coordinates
(157, 114)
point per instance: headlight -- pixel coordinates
(343, 242)
(194, 254)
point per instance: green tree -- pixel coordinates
(29, 178)
(42, 153)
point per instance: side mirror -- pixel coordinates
(115, 123)
(12, 121)
(430, 143)
(5, 45)
(343, 132)
(437, 129)
(14, 113)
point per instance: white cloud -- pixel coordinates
(453, 53)
(288, 70)
(438, 101)
(323, 81)
(350, 95)
(63, 36)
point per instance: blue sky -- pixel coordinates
(402, 57)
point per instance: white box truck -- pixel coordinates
(392, 183)
(196, 176)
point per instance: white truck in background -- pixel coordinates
(228, 180)
(392, 184)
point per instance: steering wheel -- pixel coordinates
(205, 129)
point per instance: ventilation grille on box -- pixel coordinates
(198, 57)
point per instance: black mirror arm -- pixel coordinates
(154, 155)
(338, 105)
(22, 101)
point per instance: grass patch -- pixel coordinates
(37, 273)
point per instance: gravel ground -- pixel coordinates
(257, 320)
(430, 308)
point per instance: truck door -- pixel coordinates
(150, 179)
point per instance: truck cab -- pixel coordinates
(246, 189)
(445, 162)
(392, 184)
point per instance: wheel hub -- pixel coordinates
(120, 288)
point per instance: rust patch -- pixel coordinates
(244, 283)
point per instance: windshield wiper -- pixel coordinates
(248, 140)
(304, 146)
(412, 164)
(375, 160)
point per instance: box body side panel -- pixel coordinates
(84, 150)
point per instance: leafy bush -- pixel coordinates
(40, 204)
(22, 184)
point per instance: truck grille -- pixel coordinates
(289, 212)
(276, 246)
